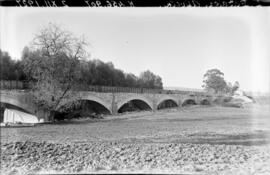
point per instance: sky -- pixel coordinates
(178, 44)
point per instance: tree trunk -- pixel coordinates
(52, 116)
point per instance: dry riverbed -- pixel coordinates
(196, 140)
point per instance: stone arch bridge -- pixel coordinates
(112, 101)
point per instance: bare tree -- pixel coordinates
(53, 64)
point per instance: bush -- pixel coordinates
(227, 99)
(235, 105)
(221, 100)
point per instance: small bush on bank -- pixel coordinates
(227, 99)
(221, 100)
(231, 104)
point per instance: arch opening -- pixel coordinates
(134, 105)
(4, 106)
(205, 102)
(189, 102)
(82, 109)
(167, 104)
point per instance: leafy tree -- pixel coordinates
(150, 80)
(131, 80)
(229, 87)
(158, 82)
(87, 76)
(6, 66)
(235, 87)
(10, 69)
(214, 80)
(54, 65)
(96, 72)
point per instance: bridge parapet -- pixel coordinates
(24, 85)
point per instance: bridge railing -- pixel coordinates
(26, 85)
(121, 89)
(14, 84)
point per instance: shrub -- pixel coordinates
(235, 105)
(227, 99)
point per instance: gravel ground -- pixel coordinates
(33, 157)
(193, 140)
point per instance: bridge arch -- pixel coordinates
(167, 98)
(93, 99)
(135, 97)
(189, 101)
(13, 100)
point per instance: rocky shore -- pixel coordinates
(115, 157)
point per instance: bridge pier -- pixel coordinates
(155, 105)
(114, 109)
(114, 105)
(42, 114)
